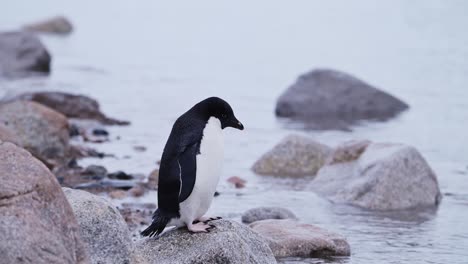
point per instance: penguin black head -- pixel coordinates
(217, 107)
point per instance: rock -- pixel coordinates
(384, 177)
(294, 156)
(71, 105)
(290, 238)
(118, 194)
(137, 216)
(329, 99)
(39, 129)
(137, 191)
(153, 180)
(228, 242)
(139, 148)
(100, 132)
(22, 54)
(263, 213)
(55, 25)
(37, 224)
(95, 171)
(102, 228)
(237, 181)
(120, 175)
(348, 151)
(7, 135)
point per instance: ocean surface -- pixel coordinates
(149, 61)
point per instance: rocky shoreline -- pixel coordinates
(52, 209)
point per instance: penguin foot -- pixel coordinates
(200, 227)
(208, 219)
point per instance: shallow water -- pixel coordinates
(149, 62)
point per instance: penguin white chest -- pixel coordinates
(209, 167)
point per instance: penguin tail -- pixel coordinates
(160, 221)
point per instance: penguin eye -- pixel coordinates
(224, 115)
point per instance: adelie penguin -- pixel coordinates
(190, 167)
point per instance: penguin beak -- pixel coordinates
(237, 124)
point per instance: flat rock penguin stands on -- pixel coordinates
(191, 165)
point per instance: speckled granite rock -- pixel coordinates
(37, 224)
(290, 238)
(102, 228)
(294, 156)
(383, 177)
(228, 242)
(39, 129)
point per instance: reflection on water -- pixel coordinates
(149, 61)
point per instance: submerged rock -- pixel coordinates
(22, 54)
(228, 242)
(102, 228)
(55, 25)
(71, 105)
(329, 99)
(263, 213)
(238, 182)
(39, 129)
(294, 156)
(384, 177)
(37, 224)
(289, 238)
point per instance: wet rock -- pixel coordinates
(106, 185)
(384, 177)
(120, 175)
(294, 156)
(329, 99)
(55, 25)
(95, 171)
(263, 213)
(216, 194)
(290, 238)
(102, 228)
(139, 148)
(22, 54)
(36, 221)
(237, 181)
(71, 105)
(100, 132)
(39, 129)
(228, 242)
(118, 194)
(137, 191)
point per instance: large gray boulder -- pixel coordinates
(55, 25)
(228, 242)
(378, 176)
(290, 238)
(22, 54)
(70, 105)
(294, 156)
(329, 99)
(37, 224)
(263, 213)
(39, 129)
(102, 228)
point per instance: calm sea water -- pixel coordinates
(148, 61)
